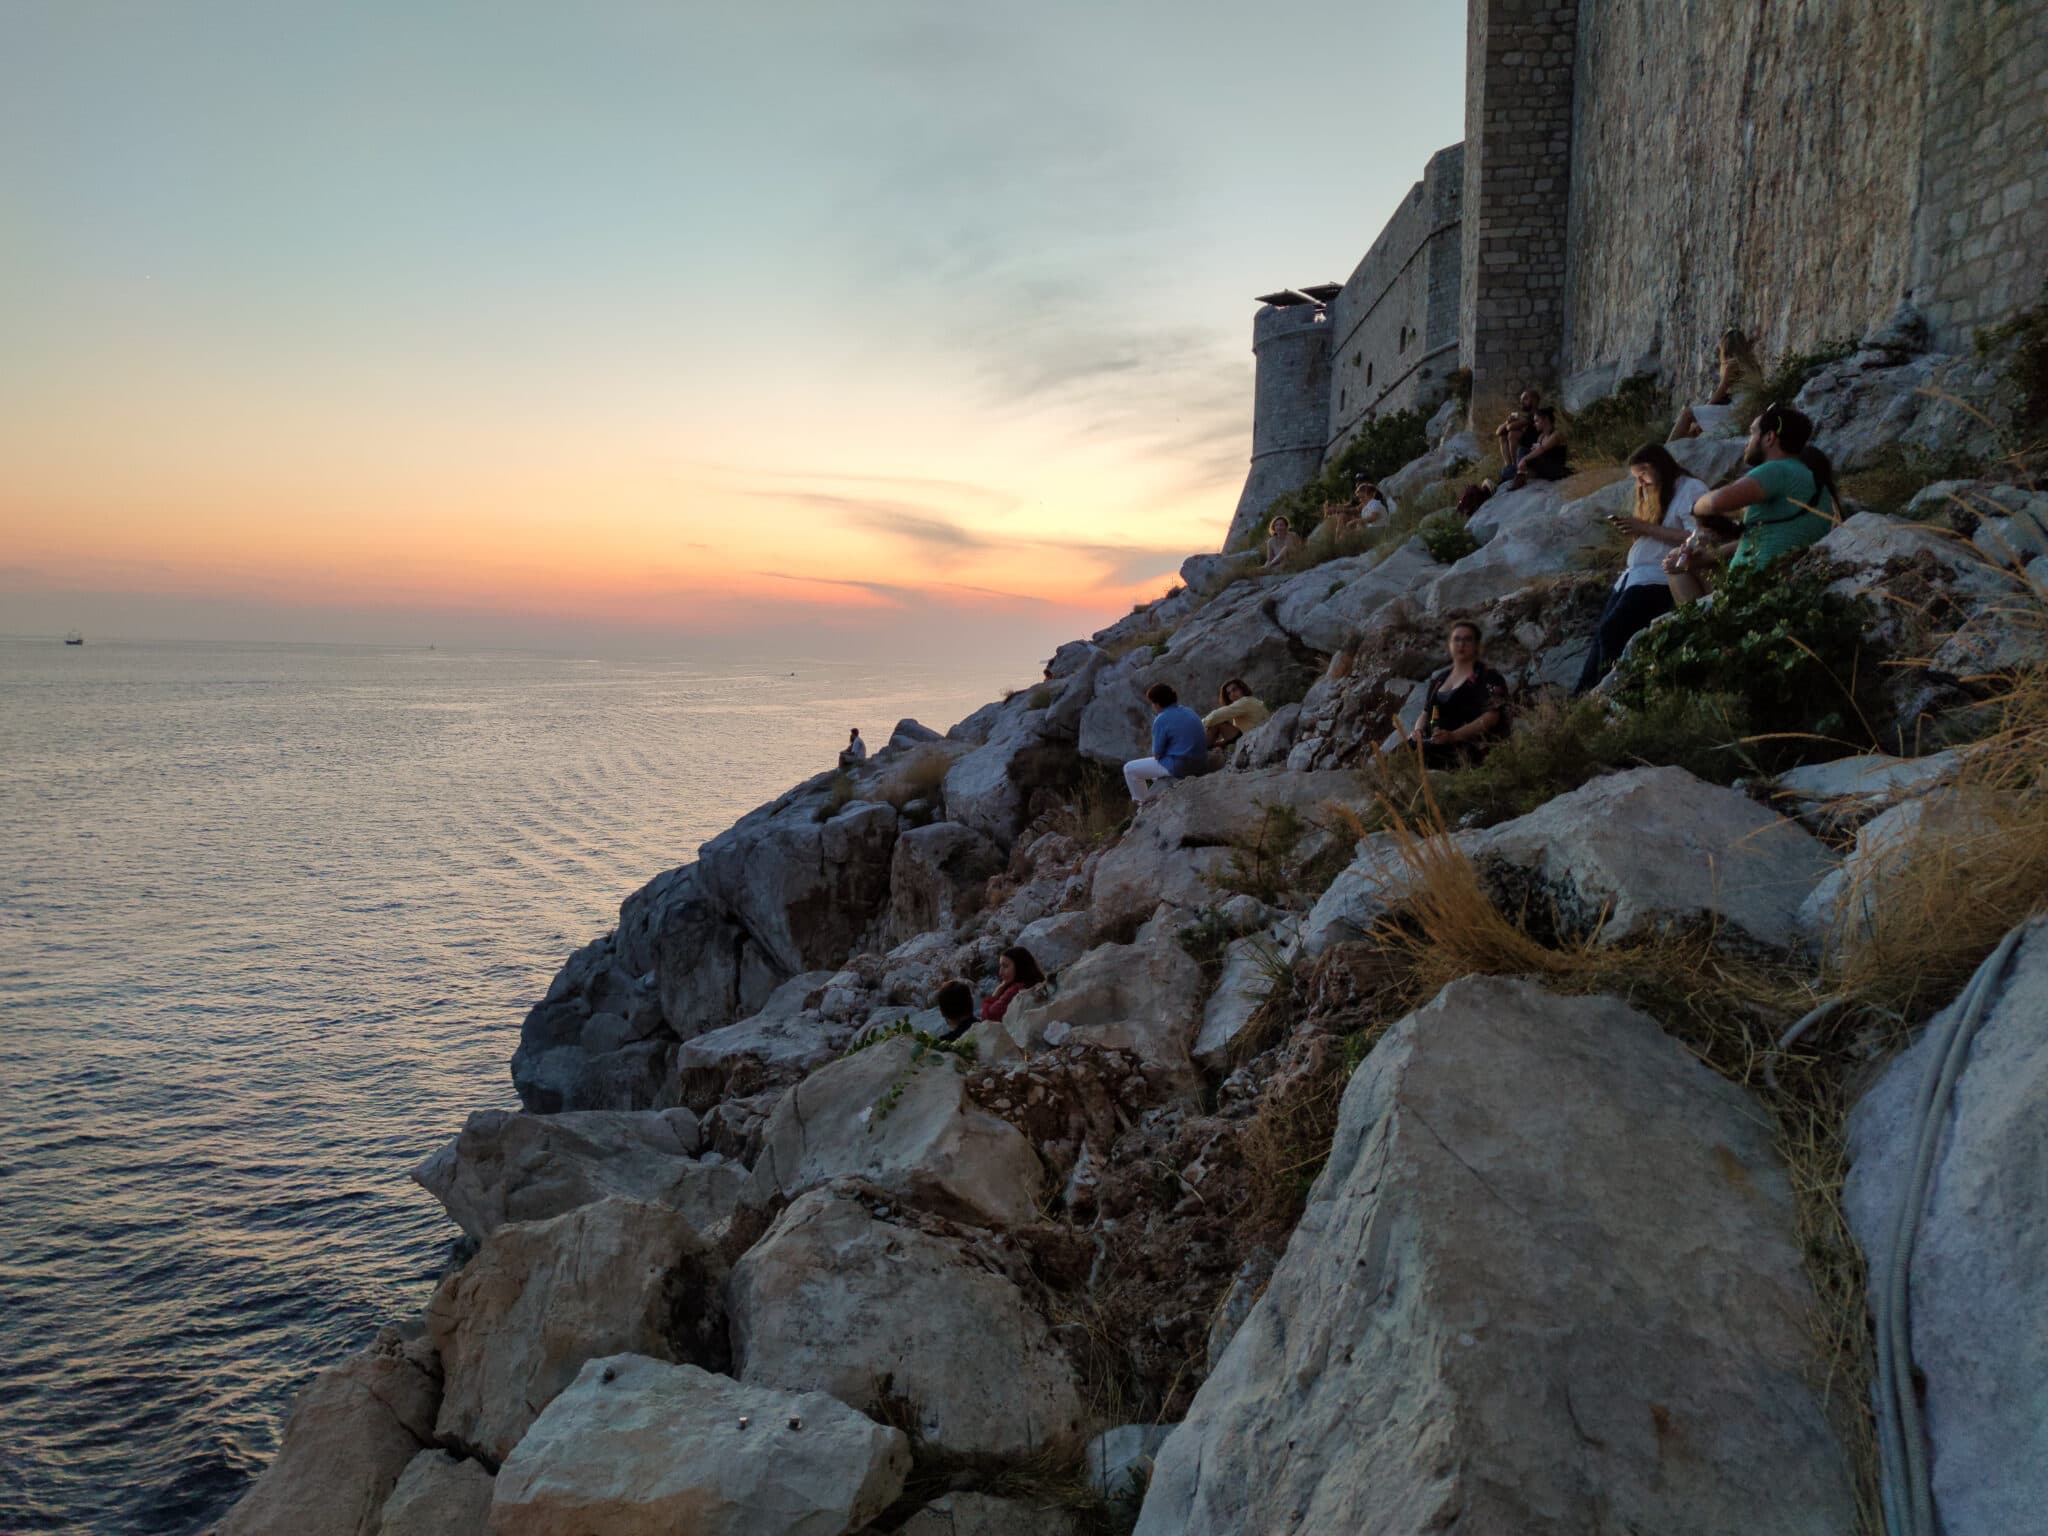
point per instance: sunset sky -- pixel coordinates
(792, 327)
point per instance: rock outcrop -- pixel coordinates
(1976, 1279)
(439, 1495)
(638, 1447)
(1548, 1283)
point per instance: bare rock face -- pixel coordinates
(1547, 1284)
(1977, 1281)
(439, 1495)
(864, 1306)
(936, 878)
(1983, 607)
(929, 1142)
(1329, 615)
(350, 1436)
(1144, 998)
(638, 1447)
(1647, 847)
(1844, 906)
(515, 1325)
(789, 1037)
(506, 1167)
(979, 1514)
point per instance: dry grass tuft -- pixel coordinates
(917, 776)
(1096, 809)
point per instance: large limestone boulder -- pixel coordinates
(900, 1119)
(1851, 787)
(1117, 725)
(1846, 907)
(639, 1447)
(1534, 502)
(1335, 614)
(981, 1514)
(1144, 997)
(1058, 940)
(1883, 398)
(1545, 537)
(1242, 986)
(1632, 851)
(1457, 449)
(1237, 635)
(937, 877)
(865, 1305)
(515, 1325)
(1977, 1277)
(1985, 628)
(1178, 849)
(1548, 1283)
(506, 1167)
(439, 1495)
(350, 1436)
(789, 1037)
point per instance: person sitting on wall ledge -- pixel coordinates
(1662, 520)
(1545, 458)
(955, 1002)
(1281, 542)
(1236, 712)
(855, 751)
(1180, 747)
(1715, 416)
(1016, 971)
(1517, 435)
(1464, 705)
(1787, 501)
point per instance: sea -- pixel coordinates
(269, 919)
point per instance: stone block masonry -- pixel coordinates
(1518, 159)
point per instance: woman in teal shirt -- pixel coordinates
(1787, 501)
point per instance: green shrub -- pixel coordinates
(1382, 446)
(1775, 637)
(1445, 536)
(1781, 385)
(1608, 431)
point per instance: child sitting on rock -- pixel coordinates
(955, 1003)
(1016, 972)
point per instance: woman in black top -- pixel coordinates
(1544, 459)
(1465, 705)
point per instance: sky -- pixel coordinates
(783, 328)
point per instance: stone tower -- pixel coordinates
(1291, 400)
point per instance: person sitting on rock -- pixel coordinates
(855, 751)
(1016, 971)
(1662, 520)
(1546, 455)
(1236, 712)
(1180, 747)
(1517, 435)
(955, 1002)
(1787, 502)
(1375, 506)
(1281, 543)
(1715, 415)
(1464, 705)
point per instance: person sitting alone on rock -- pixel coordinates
(1661, 522)
(1180, 747)
(1787, 502)
(1236, 712)
(855, 750)
(1375, 506)
(1715, 415)
(955, 1002)
(1281, 542)
(1464, 705)
(1545, 458)
(1517, 435)
(1016, 971)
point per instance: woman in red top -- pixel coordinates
(1015, 972)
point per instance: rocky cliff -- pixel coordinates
(1379, 1155)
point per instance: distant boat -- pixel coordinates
(74, 638)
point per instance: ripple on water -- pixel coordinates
(268, 922)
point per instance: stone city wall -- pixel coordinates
(1394, 327)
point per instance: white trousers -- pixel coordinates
(1141, 775)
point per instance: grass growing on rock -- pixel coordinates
(1782, 382)
(1607, 431)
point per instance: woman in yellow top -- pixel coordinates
(1236, 712)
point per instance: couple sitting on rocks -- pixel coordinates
(1685, 532)
(1185, 744)
(1532, 447)
(1017, 971)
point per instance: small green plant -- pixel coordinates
(1608, 431)
(928, 1048)
(1382, 445)
(1782, 383)
(1446, 538)
(1781, 642)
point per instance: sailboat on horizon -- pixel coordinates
(74, 638)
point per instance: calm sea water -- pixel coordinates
(269, 919)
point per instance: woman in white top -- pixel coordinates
(1715, 416)
(1662, 520)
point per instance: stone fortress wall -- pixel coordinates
(1394, 326)
(1638, 175)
